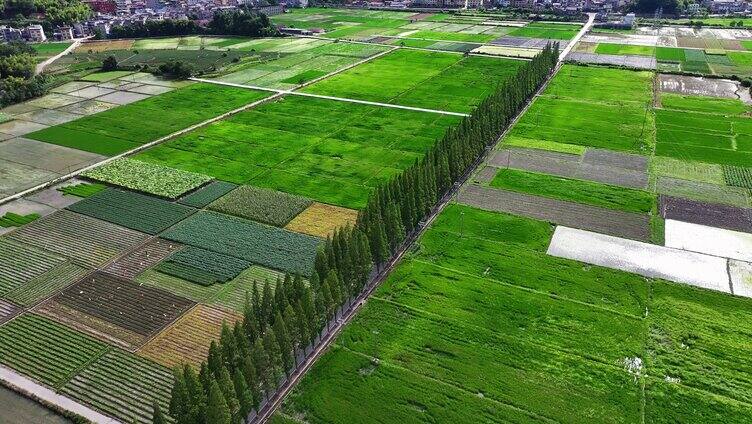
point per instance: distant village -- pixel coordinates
(110, 13)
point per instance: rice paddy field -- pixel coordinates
(132, 268)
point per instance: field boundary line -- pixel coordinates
(138, 149)
(534, 291)
(321, 96)
(37, 392)
(446, 383)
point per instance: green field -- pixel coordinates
(587, 192)
(556, 31)
(595, 107)
(423, 79)
(704, 129)
(625, 49)
(534, 337)
(333, 152)
(123, 128)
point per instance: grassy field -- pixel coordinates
(596, 194)
(123, 128)
(442, 337)
(421, 79)
(624, 49)
(332, 152)
(704, 129)
(595, 107)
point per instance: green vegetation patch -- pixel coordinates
(587, 192)
(21, 263)
(703, 104)
(147, 177)
(82, 189)
(262, 205)
(45, 350)
(624, 49)
(423, 79)
(737, 176)
(126, 127)
(304, 77)
(257, 243)
(105, 76)
(594, 107)
(11, 219)
(329, 151)
(207, 194)
(132, 210)
(202, 266)
(669, 54)
(546, 30)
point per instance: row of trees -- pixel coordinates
(240, 21)
(17, 79)
(253, 357)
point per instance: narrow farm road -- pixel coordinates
(40, 66)
(573, 42)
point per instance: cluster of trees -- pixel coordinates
(57, 12)
(240, 21)
(252, 358)
(17, 79)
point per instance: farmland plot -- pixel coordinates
(187, 340)
(20, 263)
(123, 386)
(430, 80)
(207, 194)
(144, 257)
(202, 266)
(132, 210)
(262, 205)
(328, 151)
(124, 128)
(258, 243)
(148, 177)
(117, 308)
(322, 220)
(84, 240)
(435, 327)
(231, 295)
(45, 350)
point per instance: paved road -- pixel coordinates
(576, 39)
(339, 99)
(25, 385)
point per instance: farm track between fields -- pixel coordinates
(271, 405)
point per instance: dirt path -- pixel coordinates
(40, 66)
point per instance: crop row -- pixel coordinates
(202, 266)
(146, 256)
(262, 205)
(207, 194)
(21, 263)
(737, 176)
(142, 310)
(46, 284)
(187, 341)
(132, 210)
(260, 244)
(122, 385)
(86, 241)
(45, 350)
(148, 177)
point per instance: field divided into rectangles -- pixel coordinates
(124, 128)
(329, 151)
(431, 80)
(593, 106)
